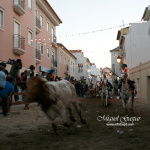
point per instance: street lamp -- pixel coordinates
(118, 59)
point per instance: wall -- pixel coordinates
(61, 65)
(142, 72)
(6, 36)
(72, 73)
(137, 45)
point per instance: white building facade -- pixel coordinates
(137, 49)
(83, 66)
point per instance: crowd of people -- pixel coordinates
(80, 86)
(13, 81)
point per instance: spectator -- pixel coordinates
(16, 97)
(66, 77)
(32, 68)
(71, 79)
(43, 75)
(20, 85)
(4, 93)
(2, 78)
(23, 89)
(4, 69)
(73, 82)
(81, 89)
(48, 76)
(59, 78)
(14, 71)
(56, 79)
(28, 73)
(20, 78)
(51, 75)
(78, 86)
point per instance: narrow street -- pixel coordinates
(31, 130)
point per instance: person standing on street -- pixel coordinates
(5, 92)
(14, 71)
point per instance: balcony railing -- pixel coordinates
(38, 22)
(19, 41)
(19, 7)
(19, 44)
(54, 40)
(38, 26)
(37, 54)
(54, 63)
(20, 3)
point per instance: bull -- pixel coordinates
(54, 98)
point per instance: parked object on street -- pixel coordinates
(120, 132)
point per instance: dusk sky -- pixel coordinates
(83, 16)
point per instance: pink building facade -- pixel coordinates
(28, 32)
(64, 61)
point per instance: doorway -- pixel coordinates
(16, 34)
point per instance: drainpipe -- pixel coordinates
(34, 38)
(58, 62)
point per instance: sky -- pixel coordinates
(104, 17)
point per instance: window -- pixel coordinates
(1, 19)
(65, 61)
(52, 33)
(30, 4)
(41, 48)
(65, 64)
(53, 56)
(16, 27)
(61, 58)
(73, 67)
(138, 84)
(68, 65)
(41, 20)
(53, 59)
(47, 52)
(30, 40)
(48, 27)
(80, 68)
(17, 41)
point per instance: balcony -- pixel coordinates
(66, 70)
(19, 7)
(19, 44)
(38, 26)
(54, 64)
(54, 40)
(38, 56)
